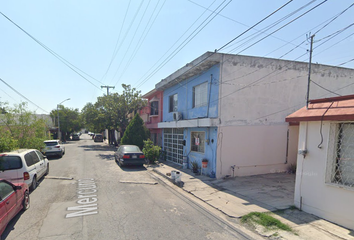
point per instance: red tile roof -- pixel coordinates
(326, 109)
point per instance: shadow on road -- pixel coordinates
(98, 147)
(131, 168)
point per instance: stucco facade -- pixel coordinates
(255, 96)
(152, 114)
(325, 164)
(248, 101)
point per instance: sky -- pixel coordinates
(54, 50)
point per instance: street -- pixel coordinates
(88, 196)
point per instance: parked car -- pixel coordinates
(14, 197)
(98, 138)
(75, 136)
(53, 147)
(23, 165)
(129, 155)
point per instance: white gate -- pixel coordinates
(173, 144)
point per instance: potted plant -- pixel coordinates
(205, 163)
(195, 166)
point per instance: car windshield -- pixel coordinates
(51, 143)
(131, 149)
(10, 163)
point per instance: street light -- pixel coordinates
(59, 133)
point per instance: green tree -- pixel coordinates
(113, 111)
(21, 128)
(70, 120)
(135, 133)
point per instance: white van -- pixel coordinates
(23, 165)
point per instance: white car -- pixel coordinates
(53, 147)
(23, 165)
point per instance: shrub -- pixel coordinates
(151, 151)
(7, 142)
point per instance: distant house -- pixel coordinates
(325, 164)
(152, 115)
(231, 109)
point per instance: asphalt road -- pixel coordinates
(88, 196)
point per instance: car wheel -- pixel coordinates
(47, 172)
(34, 183)
(26, 201)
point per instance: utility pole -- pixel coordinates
(108, 87)
(309, 75)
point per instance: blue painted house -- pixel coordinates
(190, 113)
(230, 110)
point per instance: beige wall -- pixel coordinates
(312, 193)
(256, 95)
(255, 149)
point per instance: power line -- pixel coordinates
(13, 89)
(142, 38)
(68, 64)
(184, 43)
(115, 51)
(283, 26)
(181, 85)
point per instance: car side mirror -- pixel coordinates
(17, 187)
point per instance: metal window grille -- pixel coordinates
(173, 145)
(200, 95)
(343, 166)
(197, 141)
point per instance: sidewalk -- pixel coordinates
(239, 196)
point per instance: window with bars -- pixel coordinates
(173, 103)
(200, 96)
(197, 141)
(342, 162)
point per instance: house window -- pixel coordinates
(200, 95)
(173, 103)
(197, 141)
(342, 164)
(154, 108)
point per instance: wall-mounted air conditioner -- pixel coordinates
(177, 116)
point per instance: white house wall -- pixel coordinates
(245, 148)
(255, 96)
(312, 193)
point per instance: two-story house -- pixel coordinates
(230, 109)
(152, 114)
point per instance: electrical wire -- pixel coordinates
(67, 63)
(132, 39)
(142, 38)
(217, 50)
(13, 89)
(185, 42)
(143, 77)
(245, 25)
(282, 27)
(116, 50)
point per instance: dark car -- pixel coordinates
(75, 136)
(98, 138)
(129, 155)
(14, 197)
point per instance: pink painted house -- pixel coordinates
(152, 114)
